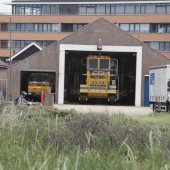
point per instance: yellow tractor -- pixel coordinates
(101, 79)
(37, 83)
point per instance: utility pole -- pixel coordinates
(10, 76)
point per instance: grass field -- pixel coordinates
(43, 138)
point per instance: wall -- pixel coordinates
(3, 73)
(44, 60)
(48, 59)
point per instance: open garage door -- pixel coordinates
(35, 82)
(76, 71)
(131, 62)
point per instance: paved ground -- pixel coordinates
(127, 110)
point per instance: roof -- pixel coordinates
(26, 49)
(81, 0)
(2, 64)
(159, 67)
(85, 1)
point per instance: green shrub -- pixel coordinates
(40, 137)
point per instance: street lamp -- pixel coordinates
(10, 63)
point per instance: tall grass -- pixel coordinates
(41, 138)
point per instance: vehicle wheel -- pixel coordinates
(167, 106)
(154, 107)
(112, 99)
(83, 98)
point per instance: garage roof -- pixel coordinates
(26, 51)
(2, 64)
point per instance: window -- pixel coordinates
(162, 46)
(130, 9)
(22, 27)
(22, 44)
(104, 63)
(3, 44)
(11, 44)
(18, 26)
(4, 27)
(13, 27)
(19, 9)
(29, 27)
(113, 9)
(55, 27)
(36, 10)
(93, 64)
(124, 27)
(78, 26)
(13, 9)
(120, 9)
(167, 46)
(82, 10)
(54, 9)
(40, 27)
(132, 28)
(161, 9)
(161, 28)
(49, 27)
(137, 10)
(168, 28)
(158, 28)
(108, 9)
(36, 27)
(150, 9)
(137, 27)
(100, 9)
(68, 9)
(142, 9)
(75, 27)
(28, 10)
(67, 27)
(81, 26)
(144, 27)
(153, 27)
(45, 9)
(152, 78)
(154, 45)
(168, 9)
(90, 10)
(45, 28)
(17, 44)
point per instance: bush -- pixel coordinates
(96, 130)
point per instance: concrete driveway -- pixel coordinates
(127, 110)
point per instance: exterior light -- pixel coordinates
(99, 45)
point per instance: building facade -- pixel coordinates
(45, 22)
(63, 59)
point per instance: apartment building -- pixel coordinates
(45, 21)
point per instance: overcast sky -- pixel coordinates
(5, 8)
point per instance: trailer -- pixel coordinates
(159, 88)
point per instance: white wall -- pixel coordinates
(135, 49)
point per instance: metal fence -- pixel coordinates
(3, 88)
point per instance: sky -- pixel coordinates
(5, 8)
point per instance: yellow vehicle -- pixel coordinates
(38, 82)
(101, 79)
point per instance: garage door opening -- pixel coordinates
(76, 70)
(34, 82)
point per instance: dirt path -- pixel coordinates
(127, 110)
